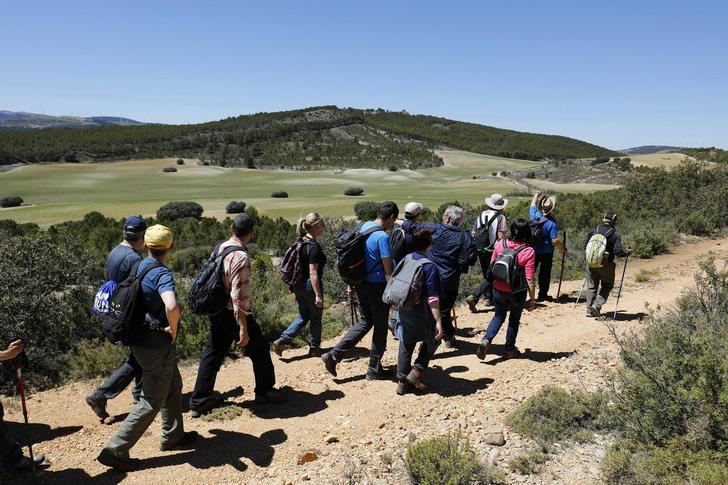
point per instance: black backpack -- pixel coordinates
(538, 236)
(482, 234)
(292, 272)
(351, 254)
(208, 295)
(398, 243)
(505, 268)
(126, 311)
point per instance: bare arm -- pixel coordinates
(501, 235)
(387, 264)
(174, 312)
(559, 245)
(435, 309)
(14, 349)
(536, 196)
(316, 284)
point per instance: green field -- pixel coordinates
(60, 192)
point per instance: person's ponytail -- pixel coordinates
(301, 230)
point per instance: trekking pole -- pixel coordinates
(454, 317)
(21, 391)
(621, 284)
(580, 292)
(561, 275)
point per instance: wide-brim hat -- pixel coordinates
(547, 205)
(496, 202)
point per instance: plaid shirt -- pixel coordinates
(237, 277)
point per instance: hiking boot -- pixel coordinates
(380, 375)
(187, 438)
(450, 343)
(211, 403)
(593, 312)
(278, 347)
(415, 378)
(483, 349)
(512, 353)
(392, 324)
(26, 465)
(544, 298)
(108, 458)
(272, 396)
(488, 302)
(472, 300)
(315, 352)
(330, 363)
(405, 386)
(98, 406)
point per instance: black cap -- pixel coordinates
(610, 218)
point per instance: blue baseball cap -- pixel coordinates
(134, 224)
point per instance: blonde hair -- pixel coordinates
(305, 224)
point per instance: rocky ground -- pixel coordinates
(348, 430)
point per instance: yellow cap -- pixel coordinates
(158, 237)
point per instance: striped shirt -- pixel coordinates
(237, 277)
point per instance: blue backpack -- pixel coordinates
(103, 297)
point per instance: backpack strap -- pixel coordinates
(371, 230)
(213, 255)
(146, 270)
(229, 250)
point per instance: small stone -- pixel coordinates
(307, 457)
(600, 453)
(332, 439)
(411, 437)
(496, 439)
(305, 478)
(493, 456)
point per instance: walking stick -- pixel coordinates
(561, 275)
(21, 390)
(580, 292)
(454, 317)
(621, 284)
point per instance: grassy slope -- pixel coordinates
(667, 160)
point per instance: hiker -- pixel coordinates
(513, 261)
(118, 266)
(309, 293)
(541, 217)
(453, 252)
(401, 243)
(153, 346)
(420, 323)
(489, 228)
(235, 323)
(603, 244)
(374, 312)
(11, 456)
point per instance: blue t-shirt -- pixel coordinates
(120, 261)
(377, 245)
(155, 282)
(433, 287)
(550, 231)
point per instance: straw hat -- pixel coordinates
(548, 204)
(496, 202)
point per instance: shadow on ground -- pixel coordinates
(445, 383)
(527, 354)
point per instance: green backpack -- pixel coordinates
(596, 248)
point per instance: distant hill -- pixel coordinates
(649, 149)
(23, 120)
(319, 137)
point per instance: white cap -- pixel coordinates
(413, 209)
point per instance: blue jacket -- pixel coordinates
(448, 242)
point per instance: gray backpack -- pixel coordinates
(404, 289)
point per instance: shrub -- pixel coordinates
(169, 169)
(366, 210)
(180, 161)
(187, 261)
(206, 163)
(528, 463)
(178, 210)
(393, 168)
(354, 191)
(12, 201)
(531, 175)
(697, 223)
(552, 414)
(647, 242)
(235, 207)
(447, 460)
(645, 275)
(279, 195)
(95, 358)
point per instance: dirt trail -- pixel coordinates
(358, 429)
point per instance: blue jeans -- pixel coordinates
(307, 312)
(503, 303)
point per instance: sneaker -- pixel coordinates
(381, 375)
(278, 347)
(403, 387)
(544, 298)
(329, 363)
(26, 465)
(270, 397)
(472, 300)
(207, 406)
(111, 460)
(98, 406)
(483, 349)
(187, 438)
(593, 312)
(489, 302)
(450, 343)
(512, 353)
(315, 352)
(415, 378)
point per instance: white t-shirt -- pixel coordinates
(499, 225)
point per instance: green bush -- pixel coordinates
(95, 358)
(651, 241)
(12, 201)
(235, 207)
(698, 224)
(179, 210)
(447, 460)
(180, 161)
(552, 414)
(528, 463)
(188, 261)
(169, 170)
(354, 191)
(279, 195)
(366, 210)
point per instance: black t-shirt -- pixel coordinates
(312, 253)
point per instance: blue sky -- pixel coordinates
(616, 73)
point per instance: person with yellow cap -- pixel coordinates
(153, 346)
(541, 215)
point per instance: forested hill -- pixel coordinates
(318, 137)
